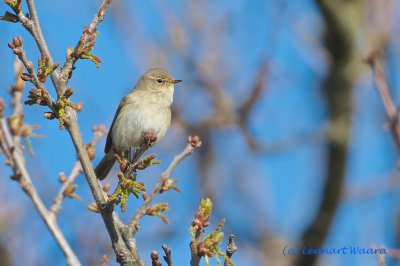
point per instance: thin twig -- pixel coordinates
(37, 31)
(164, 176)
(88, 32)
(16, 46)
(56, 206)
(376, 64)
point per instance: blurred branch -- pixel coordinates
(245, 108)
(342, 20)
(388, 183)
(4, 254)
(255, 94)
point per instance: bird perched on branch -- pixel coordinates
(147, 108)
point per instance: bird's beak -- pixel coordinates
(176, 81)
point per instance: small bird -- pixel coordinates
(146, 108)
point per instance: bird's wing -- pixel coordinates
(109, 141)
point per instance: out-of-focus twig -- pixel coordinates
(245, 108)
(341, 22)
(255, 94)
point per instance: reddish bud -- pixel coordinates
(62, 178)
(107, 187)
(26, 77)
(194, 141)
(79, 106)
(49, 115)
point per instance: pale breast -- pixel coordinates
(135, 119)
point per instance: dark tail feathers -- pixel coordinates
(104, 166)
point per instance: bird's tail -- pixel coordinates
(104, 166)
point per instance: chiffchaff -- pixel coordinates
(147, 108)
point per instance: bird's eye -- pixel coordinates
(159, 81)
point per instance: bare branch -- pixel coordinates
(194, 142)
(56, 207)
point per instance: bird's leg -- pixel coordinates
(121, 157)
(133, 157)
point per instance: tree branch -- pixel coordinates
(342, 22)
(124, 257)
(99, 132)
(194, 142)
(37, 31)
